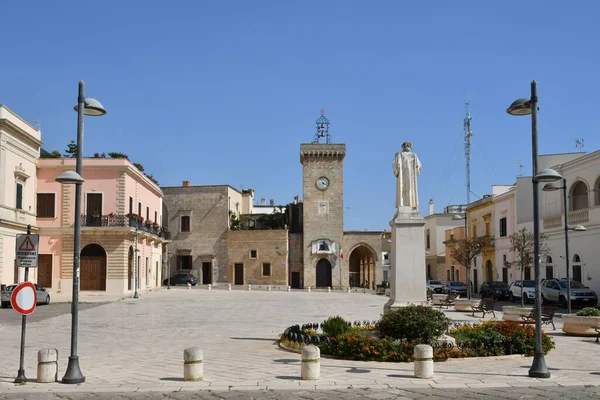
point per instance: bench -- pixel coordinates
(547, 316)
(597, 329)
(448, 301)
(485, 306)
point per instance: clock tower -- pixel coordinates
(323, 209)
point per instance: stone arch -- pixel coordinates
(324, 273)
(93, 267)
(361, 266)
(578, 195)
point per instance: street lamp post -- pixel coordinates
(526, 107)
(90, 107)
(549, 187)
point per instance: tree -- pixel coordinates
(115, 154)
(71, 151)
(47, 154)
(139, 166)
(521, 243)
(464, 251)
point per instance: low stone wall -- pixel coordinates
(574, 325)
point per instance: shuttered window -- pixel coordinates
(45, 205)
(19, 200)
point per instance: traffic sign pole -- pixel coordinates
(21, 374)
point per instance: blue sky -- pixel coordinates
(224, 92)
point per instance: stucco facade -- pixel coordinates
(19, 149)
(121, 218)
(436, 255)
(480, 222)
(504, 226)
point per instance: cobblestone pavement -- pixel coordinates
(8, 316)
(137, 345)
(545, 392)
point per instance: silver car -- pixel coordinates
(43, 296)
(555, 291)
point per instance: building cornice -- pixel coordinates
(314, 151)
(21, 134)
(17, 225)
(590, 157)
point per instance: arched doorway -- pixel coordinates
(323, 273)
(93, 268)
(489, 271)
(130, 273)
(361, 268)
(577, 272)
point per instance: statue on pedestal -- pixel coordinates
(406, 168)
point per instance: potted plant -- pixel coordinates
(582, 323)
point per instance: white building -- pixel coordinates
(504, 214)
(19, 150)
(582, 176)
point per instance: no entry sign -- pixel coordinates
(24, 298)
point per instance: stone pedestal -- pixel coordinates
(408, 275)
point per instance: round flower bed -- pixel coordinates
(394, 338)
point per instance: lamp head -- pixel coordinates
(547, 175)
(579, 228)
(457, 217)
(70, 178)
(551, 187)
(520, 107)
(92, 107)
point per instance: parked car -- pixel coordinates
(435, 286)
(182, 279)
(455, 287)
(555, 291)
(495, 290)
(528, 291)
(43, 296)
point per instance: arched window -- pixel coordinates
(597, 192)
(577, 269)
(579, 196)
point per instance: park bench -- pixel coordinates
(485, 306)
(547, 316)
(597, 329)
(448, 301)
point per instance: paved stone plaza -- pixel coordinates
(137, 345)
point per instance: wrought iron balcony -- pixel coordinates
(115, 220)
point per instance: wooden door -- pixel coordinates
(239, 274)
(296, 280)
(94, 209)
(206, 273)
(323, 273)
(45, 270)
(93, 273)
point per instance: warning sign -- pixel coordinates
(27, 250)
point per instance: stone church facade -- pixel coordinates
(223, 241)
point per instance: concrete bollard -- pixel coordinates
(249, 287)
(209, 287)
(268, 288)
(47, 369)
(348, 290)
(423, 361)
(189, 285)
(289, 289)
(310, 368)
(193, 364)
(228, 287)
(308, 289)
(328, 289)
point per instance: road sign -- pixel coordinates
(24, 298)
(27, 250)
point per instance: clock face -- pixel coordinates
(322, 183)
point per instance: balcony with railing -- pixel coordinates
(576, 217)
(132, 221)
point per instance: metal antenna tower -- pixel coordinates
(520, 166)
(322, 129)
(579, 144)
(468, 134)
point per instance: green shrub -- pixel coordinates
(589, 312)
(413, 323)
(335, 326)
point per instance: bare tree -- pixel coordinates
(464, 251)
(521, 243)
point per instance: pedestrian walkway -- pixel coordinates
(134, 345)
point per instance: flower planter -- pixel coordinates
(465, 304)
(438, 298)
(513, 313)
(575, 325)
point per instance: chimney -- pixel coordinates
(431, 208)
(263, 202)
(296, 199)
(186, 183)
(271, 202)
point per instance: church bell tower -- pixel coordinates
(323, 208)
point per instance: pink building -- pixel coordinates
(121, 218)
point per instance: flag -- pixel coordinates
(341, 253)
